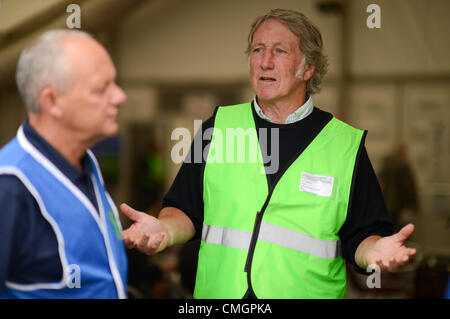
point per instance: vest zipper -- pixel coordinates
(255, 234)
(260, 214)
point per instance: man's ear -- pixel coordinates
(309, 71)
(47, 102)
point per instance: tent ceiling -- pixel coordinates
(21, 21)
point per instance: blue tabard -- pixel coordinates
(90, 245)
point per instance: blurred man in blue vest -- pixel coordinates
(60, 231)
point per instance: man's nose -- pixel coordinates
(119, 96)
(267, 60)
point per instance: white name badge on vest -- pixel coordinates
(321, 185)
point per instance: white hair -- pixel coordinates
(301, 69)
(43, 63)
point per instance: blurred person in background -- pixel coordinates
(399, 186)
(283, 232)
(60, 232)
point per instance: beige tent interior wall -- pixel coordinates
(178, 59)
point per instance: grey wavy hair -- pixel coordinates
(310, 42)
(44, 63)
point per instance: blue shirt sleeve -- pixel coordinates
(28, 245)
(9, 223)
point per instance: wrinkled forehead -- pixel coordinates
(273, 30)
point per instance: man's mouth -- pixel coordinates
(267, 79)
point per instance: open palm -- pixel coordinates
(390, 253)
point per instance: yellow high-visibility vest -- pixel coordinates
(281, 242)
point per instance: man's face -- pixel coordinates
(275, 57)
(91, 107)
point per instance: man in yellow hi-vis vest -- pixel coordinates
(278, 225)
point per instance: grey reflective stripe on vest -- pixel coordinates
(229, 237)
(274, 234)
(299, 241)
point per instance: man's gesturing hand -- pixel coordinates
(390, 253)
(146, 233)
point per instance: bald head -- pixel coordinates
(68, 83)
(88, 106)
(45, 63)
